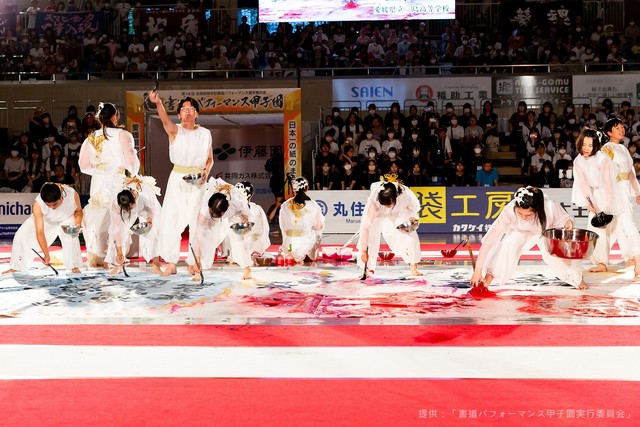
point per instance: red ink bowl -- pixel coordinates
(337, 253)
(570, 244)
(386, 255)
(448, 253)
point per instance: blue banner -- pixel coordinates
(76, 23)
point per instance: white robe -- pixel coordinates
(210, 233)
(258, 238)
(182, 199)
(509, 236)
(623, 228)
(594, 177)
(22, 256)
(146, 206)
(301, 228)
(382, 220)
(105, 158)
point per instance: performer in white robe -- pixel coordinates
(518, 228)
(594, 180)
(223, 205)
(137, 201)
(191, 152)
(56, 205)
(389, 204)
(622, 226)
(258, 238)
(301, 223)
(105, 155)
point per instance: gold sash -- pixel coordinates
(294, 233)
(186, 169)
(622, 177)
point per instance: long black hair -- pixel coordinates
(50, 192)
(532, 198)
(105, 114)
(218, 205)
(389, 194)
(126, 200)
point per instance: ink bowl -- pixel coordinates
(193, 178)
(336, 253)
(242, 228)
(570, 244)
(141, 228)
(386, 255)
(448, 253)
(264, 261)
(409, 226)
(71, 230)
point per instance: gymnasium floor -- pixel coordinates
(315, 345)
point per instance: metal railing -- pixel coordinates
(298, 73)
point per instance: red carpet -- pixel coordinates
(321, 336)
(282, 403)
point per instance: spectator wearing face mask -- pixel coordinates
(333, 144)
(368, 143)
(391, 141)
(538, 159)
(464, 119)
(325, 156)
(367, 122)
(348, 178)
(475, 160)
(561, 159)
(370, 175)
(417, 177)
(327, 179)
(14, 170)
(455, 133)
(392, 157)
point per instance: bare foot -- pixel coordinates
(156, 269)
(9, 271)
(600, 268)
(115, 269)
(415, 271)
(488, 278)
(94, 261)
(171, 269)
(246, 274)
(196, 277)
(75, 270)
(582, 286)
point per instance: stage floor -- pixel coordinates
(100, 349)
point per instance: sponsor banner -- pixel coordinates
(250, 156)
(71, 22)
(592, 89)
(458, 210)
(186, 20)
(15, 208)
(409, 91)
(534, 90)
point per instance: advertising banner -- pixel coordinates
(15, 208)
(457, 210)
(534, 90)
(590, 88)
(417, 91)
(233, 101)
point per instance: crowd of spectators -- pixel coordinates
(397, 47)
(432, 147)
(48, 152)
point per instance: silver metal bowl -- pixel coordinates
(409, 226)
(193, 178)
(570, 244)
(141, 228)
(242, 228)
(71, 230)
